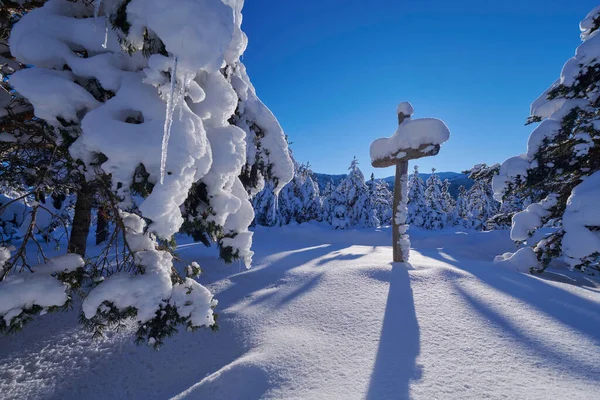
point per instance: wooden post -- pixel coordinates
(400, 158)
(401, 170)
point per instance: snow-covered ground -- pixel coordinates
(324, 315)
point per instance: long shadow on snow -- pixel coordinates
(567, 308)
(399, 344)
(272, 275)
(530, 343)
(304, 288)
(134, 371)
(339, 257)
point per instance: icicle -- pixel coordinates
(275, 208)
(105, 33)
(171, 102)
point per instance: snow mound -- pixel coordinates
(523, 260)
(405, 108)
(411, 134)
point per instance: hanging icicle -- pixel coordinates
(105, 33)
(275, 209)
(171, 102)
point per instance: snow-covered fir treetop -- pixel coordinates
(587, 25)
(422, 134)
(586, 53)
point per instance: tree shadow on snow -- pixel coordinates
(268, 278)
(339, 257)
(399, 345)
(304, 288)
(565, 307)
(529, 342)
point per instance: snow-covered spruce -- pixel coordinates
(350, 200)
(480, 198)
(327, 202)
(558, 171)
(380, 202)
(417, 204)
(299, 201)
(170, 124)
(435, 216)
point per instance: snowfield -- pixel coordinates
(324, 315)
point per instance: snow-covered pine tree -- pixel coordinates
(560, 171)
(309, 195)
(380, 201)
(298, 201)
(417, 204)
(462, 208)
(149, 117)
(434, 217)
(512, 204)
(350, 200)
(371, 186)
(289, 202)
(266, 207)
(373, 219)
(448, 204)
(386, 204)
(481, 203)
(326, 208)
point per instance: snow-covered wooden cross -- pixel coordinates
(414, 138)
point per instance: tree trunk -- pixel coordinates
(102, 225)
(81, 220)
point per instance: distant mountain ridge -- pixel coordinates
(456, 179)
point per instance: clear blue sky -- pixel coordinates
(333, 71)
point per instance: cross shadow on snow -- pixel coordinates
(399, 345)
